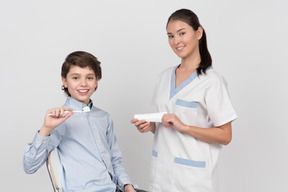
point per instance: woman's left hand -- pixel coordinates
(172, 120)
(221, 134)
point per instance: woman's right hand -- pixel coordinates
(144, 126)
(53, 118)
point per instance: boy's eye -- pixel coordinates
(74, 77)
(90, 77)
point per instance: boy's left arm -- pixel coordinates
(124, 182)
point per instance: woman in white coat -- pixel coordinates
(198, 123)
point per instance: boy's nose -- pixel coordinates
(83, 83)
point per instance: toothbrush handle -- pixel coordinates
(65, 112)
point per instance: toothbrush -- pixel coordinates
(66, 112)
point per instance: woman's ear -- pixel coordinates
(199, 32)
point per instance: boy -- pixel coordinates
(88, 149)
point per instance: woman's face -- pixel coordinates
(183, 39)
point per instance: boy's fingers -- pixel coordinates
(57, 113)
(61, 111)
(68, 115)
(53, 113)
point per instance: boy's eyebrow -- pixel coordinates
(177, 31)
(74, 74)
(90, 74)
(85, 74)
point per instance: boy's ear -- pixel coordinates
(64, 81)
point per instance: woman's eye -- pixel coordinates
(170, 36)
(182, 34)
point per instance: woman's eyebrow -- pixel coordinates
(180, 29)
(169, 33)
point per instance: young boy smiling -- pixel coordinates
(88, 149)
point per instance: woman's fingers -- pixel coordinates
(169, 119)
(142, 125)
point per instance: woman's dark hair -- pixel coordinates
(191, 19)
(81, 59)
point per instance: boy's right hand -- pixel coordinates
(144, 126)
(54, 117)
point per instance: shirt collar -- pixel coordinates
(77, 105)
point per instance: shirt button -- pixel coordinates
(44, 141)
(98, 141)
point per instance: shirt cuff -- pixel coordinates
(40, 141)
(38, 145)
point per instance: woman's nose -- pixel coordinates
(176, 40)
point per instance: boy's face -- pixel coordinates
(81, 83)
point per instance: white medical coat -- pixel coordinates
(181, 163)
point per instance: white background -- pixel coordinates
(248, 42)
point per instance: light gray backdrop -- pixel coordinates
(248, 42)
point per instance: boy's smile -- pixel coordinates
(81, 83)
(83, 91)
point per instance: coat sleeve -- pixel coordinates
(219, 107)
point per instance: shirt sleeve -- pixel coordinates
(219, 107)
(37, 151)
(121, 177)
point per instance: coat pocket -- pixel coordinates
(188, 104)
(160, 180)
(190, 175)
(187, 111)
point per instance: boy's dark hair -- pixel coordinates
(191, 19)
(81, 59)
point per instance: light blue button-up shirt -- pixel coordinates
(88, 149)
